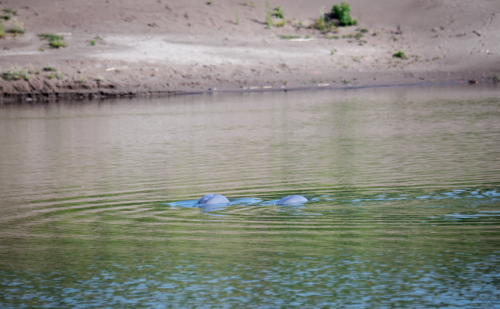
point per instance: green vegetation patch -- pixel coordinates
(50, 68)
(343, 13)
(10, 11)
(16, 28)
(14, 74)
(55, 41)
(2, 30)
(400, 55)
(288, 37)
(279, 13)
(324, 24)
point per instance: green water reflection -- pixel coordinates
(403, 186)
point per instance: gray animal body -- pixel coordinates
(292, 200)
(211, 199)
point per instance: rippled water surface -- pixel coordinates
(97, 201)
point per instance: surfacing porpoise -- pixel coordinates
(292, 200)
(211, 199)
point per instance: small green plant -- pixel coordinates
(237, 18)
(55, 41)
(10, 11)
(395, 39)
(279, 13)
(13, 73)
(5, 17)
(288, 37)
(332, 52)
(253, 5)
(16, 28)
(346, 81)
(97, 38)
(400, 55)
(209, 3)
(81, 80)
(496, 80)
(269, 20)
(92, 43)
(299, 24)
(99, 79)
(41, 49)
(376, 33)
(50, 68)
(342, 13)
(57, 44)
(246, 3)
(363, 30)
(280, 24)
(2, 30)
(308, 36)
(324, 24)
(436, 58)
(59, 75)
(51, 76)
(332, 37)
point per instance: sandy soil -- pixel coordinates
(160, 46)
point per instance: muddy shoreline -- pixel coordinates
(117, 49)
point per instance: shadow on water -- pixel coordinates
(99, 201)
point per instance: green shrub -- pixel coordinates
(342, 13)
(15, 73)
(10, 11)
(280, 24)
(2, 30)
(57, 44)
(400, 55)
(5, 17)
(279, 13)
(16, 28)
(50, 68)
(55, 41)
(269, 20)
(92, 42)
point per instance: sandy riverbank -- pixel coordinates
(161, 46)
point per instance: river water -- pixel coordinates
(96, 200)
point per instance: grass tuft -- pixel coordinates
(269, 20)
(50, 68)
(400, 55)
(55, 41)
(279, 13)
(288, 37)
(280, 24)
(16, 28)
(2, 30)
(343, 13)
(10, 11)
(14, 73)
